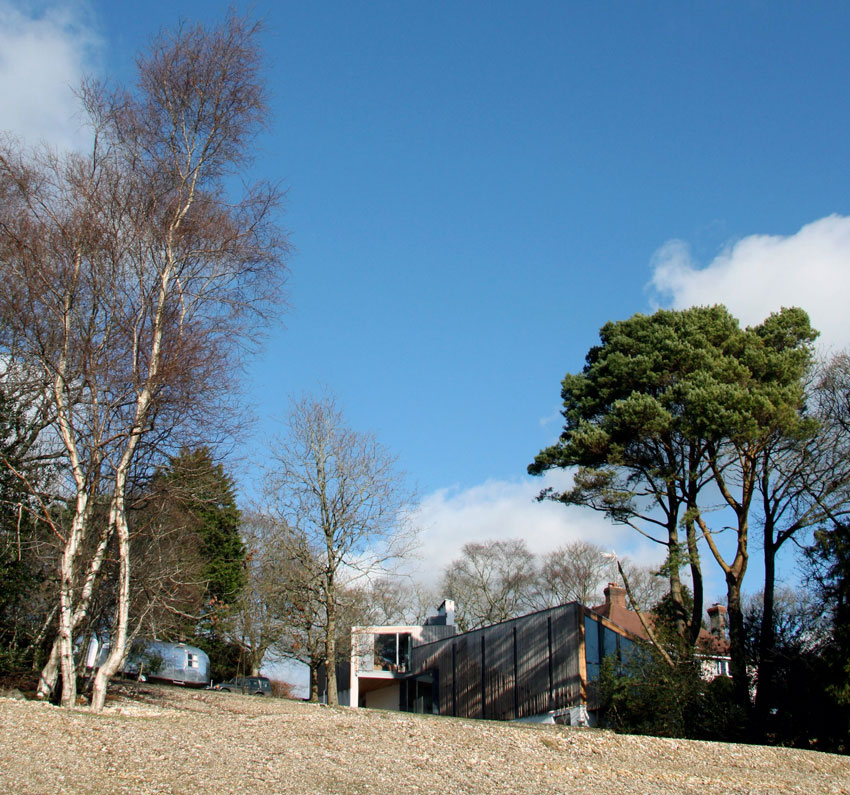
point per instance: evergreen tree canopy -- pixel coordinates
(20, 568)
(659, 381)
(669, 403)
(831, 555)
(203, 496)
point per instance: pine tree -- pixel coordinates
(203, 497)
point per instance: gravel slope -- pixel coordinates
(168, 740)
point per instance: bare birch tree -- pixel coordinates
(133, 282)
(343, 497)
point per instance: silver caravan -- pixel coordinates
(178, 663)
(169, 662)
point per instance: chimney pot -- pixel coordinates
(615, 595)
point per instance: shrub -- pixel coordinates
(281, 689)
(646, 696)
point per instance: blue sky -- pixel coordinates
(474, 188)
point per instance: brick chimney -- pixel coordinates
(717, 620)
(615, 596)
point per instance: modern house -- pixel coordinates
(382, 672)
(543, 666)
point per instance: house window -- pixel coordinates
(610, 641)
(591, 648)
(392, 651)
(601, 642)
(365, 651)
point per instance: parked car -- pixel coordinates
(250, 685)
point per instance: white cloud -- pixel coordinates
(552, 419)
(762, 273)
(45, 50)
(499, 509)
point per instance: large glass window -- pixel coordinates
(591, 648)
(385, 652)
(392, 651)
(609, 642)
(627, 650)
(601, 642)
(365, 651)
(404, 645)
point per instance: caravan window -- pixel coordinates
(192, 660)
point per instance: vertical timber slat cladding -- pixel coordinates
(551, 664)
(484, 698)
(516, 669)
(515, 675)
(454, 681)
(434, 632)
(566, 662)
(582, 659)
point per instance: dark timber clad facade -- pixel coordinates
(516, 669)
(528, 667)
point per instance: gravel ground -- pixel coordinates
(168, 740)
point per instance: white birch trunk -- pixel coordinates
(117, 511)
(66, 609)
(50, 672)
(117, 650)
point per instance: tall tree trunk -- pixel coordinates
(118, 649)
(734, 574)
(695, 623)
(68, 670)
(330, 649)
(674, 564)
(767, 634)
(118, 520)
(81, 514)
(118, 509)
(735, 571)
(50, 671)
(256, 653)
(314, 663)
(737, 641)
(692, 489)
(66, 608)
